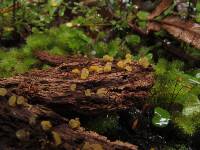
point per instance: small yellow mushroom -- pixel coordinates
(69, 24)
(127, 61)
(144, 62)
(88, 146)
(84, 73)
(128, 56)
(107, 58)
(23, 134)
(3, 91)
(32, 120)
(12, 101)
(57, 138)
(95, 68)
(129, 68)
(102, 92)
(88, 92)
(74, 123)
(21, 100)
(73, 87)
(46, 125)
(107, 67)
(76, 71)
(121, 64)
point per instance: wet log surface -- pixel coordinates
(13, 119)
(51, 87)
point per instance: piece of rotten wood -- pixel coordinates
(52, 87)
(15, 120)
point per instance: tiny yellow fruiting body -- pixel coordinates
(21, 100)
(107, 58)
(144, 62)
(129, 68)
(102, 92)
(12, 101)
(107, 67)
(57, 138)
(23, 134)
(74, 123)
(95, 68)
(84, 73)
(73, 87)
(3, 91)
(46, 125)
(128, 56)
(89, 146)
(121, 64)
(76, 71)
(88, 92)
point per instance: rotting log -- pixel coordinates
(51, 87)
(13, 119)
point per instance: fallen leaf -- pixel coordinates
(162, 6)
(184, 30)
(187, 31)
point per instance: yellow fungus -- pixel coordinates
(102, 92)
(128, 56)
(21, 100)
(3, 91)
(12, 101)
(46, 125)
(129, 68)
(84, 73)
(107, 67)
(127, 61)
(22, 134)
(32, 120)
(121, 64)
(73, 87)
(88, 146)
(144, 62)
(57, 138)
(107, 58)
(95, 68)
(76, 71)
(88, 92)
(74, 123)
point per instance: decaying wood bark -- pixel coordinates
(13, 119)
(51, 87)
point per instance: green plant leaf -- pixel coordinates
(161, 117)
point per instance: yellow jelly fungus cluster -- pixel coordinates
(46, 125)
(22, 134)
(84, 73)
(74, 123)
(73, 87)
(107, 67)
(121, 64)
(57, 138)
(107, 58)
(76, 71)
(144, 62)
(102, 92)
(124, 64)
(12, 101)
(95, 68)
(3, 91)
(88, 92)
(88, 146)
